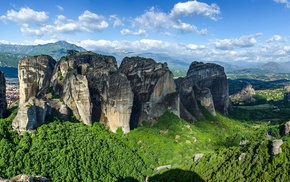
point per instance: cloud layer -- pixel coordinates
(35, 23)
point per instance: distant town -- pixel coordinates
(12, 90)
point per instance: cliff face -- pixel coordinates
(93, 88)
(206, 83)
(153, 87)
(34, 78)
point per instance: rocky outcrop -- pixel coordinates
(34, 75)
(91, 86)
(206, 84)
(3, 104)
(153, 88)
(25, 178)
(286, 128)
(276, 147)
(197, 157)
(246, 94)
(34, 78)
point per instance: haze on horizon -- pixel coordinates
(203, 30)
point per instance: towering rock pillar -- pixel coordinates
(206, 83)
(34, 75)
(153, 87)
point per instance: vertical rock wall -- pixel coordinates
(153, 87)
(34, 75)
(207, 84)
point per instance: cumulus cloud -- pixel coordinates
(159, 21)
(116, 21)
(60, 7)
(242, 42)
(275, 38)
(286, 2)
(129, 32)
(86, 22)
(26, 15)
(192, 8)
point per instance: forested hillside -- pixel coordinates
(72, 151)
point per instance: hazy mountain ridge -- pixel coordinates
(11, 54)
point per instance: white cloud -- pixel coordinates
(86, 22)
(286, 2)
(159, 21)
(153, 19)
(276, 51)
(192, 8)
(60, 7)
(242, 42)
(116, 21)
(45, 30)
(129, 32)
(275, 38)
(26, 15)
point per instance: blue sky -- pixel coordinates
(203, 30)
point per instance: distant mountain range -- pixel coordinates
(10, 54)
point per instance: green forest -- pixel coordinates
(71, 151)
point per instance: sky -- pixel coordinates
(201, 30)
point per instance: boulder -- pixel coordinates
(286, 128)
(25, 178)
(153, 88)
(276, 147)
(197, 157)
(242, 156)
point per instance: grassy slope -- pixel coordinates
(72, 151)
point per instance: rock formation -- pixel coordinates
(25, 178)
(153, 87)
(34, 78)
(286, 128)
(3, 103)
(276, 147)
(245, 94)
(93, 88)
(204, 83)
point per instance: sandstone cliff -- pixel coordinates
(34, 78)
(204, 83)
(94, 89)
(153, 87)
(91, 86)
